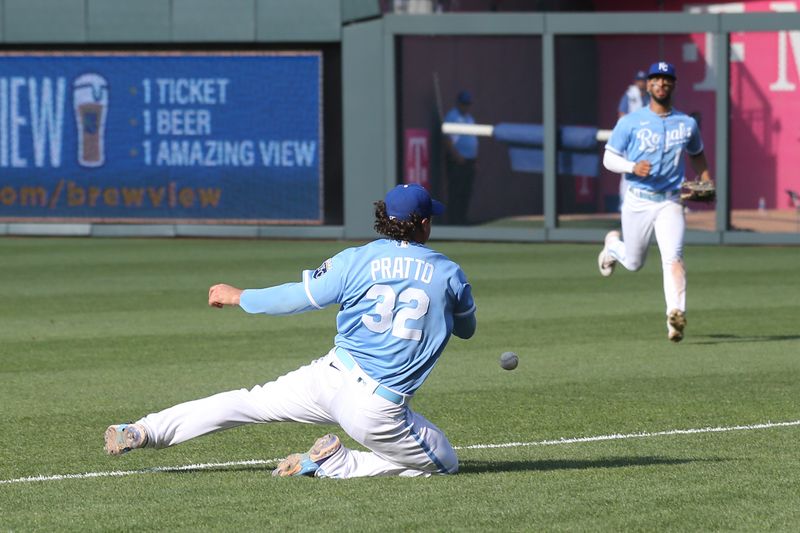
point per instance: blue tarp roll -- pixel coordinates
(524, 134)
(569, 163)
(577, 153)
(569, 137)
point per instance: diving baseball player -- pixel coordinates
(647, 146)
(399, 301)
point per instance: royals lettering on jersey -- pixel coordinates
(661, 141)
(650, 141)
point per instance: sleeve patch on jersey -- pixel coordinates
(322, 270)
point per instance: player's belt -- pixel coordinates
(350, 363)
(653, 196)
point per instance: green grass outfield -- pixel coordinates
(97, 331)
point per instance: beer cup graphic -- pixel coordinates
(90, 101)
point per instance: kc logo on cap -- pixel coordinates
(662, 68)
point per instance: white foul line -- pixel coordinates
(573, 440)
(618, 436)
(120, 473)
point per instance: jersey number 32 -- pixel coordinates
(384, 317)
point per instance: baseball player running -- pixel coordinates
(647, 146)
(399, 302)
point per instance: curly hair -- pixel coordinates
(399, 230)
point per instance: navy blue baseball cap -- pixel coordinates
(662, 68)
(640, 75)
(404, 200)
(464, 97)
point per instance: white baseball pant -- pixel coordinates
(640, 218)
(401, 441)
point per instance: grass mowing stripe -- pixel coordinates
(572, 440)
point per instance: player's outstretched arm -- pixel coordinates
(221, 295)
(285, 299)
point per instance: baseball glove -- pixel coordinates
(698, 191)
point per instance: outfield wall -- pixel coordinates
(356, 152)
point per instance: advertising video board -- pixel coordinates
(161, 137)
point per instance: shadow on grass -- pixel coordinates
(476, 467)
(721, 338)
(479, 467)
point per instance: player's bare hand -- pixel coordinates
(221, 294)
(642, 168)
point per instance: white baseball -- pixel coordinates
(509, 360)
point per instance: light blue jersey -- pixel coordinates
(466, 145)
(644, 134)
(398, 304)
